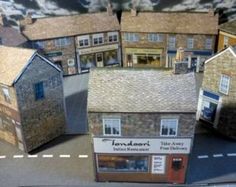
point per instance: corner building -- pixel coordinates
(142, 131)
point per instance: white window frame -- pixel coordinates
(61, 42)
(224, 84)
(155, 37)
(165, 119)
(111, 125)
(226, 41)
(6, 94)
(208, 43)
(98, 36)
(112, 35)
(131, 37)
(83, 38)
(172, 42)
(190, 43)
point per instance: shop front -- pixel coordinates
(136, 57)
(101, 56)
(141, 159)
(195, 59)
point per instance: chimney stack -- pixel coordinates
(2, 18)
(134, 8)
(109, 8)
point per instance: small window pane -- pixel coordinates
(169, 127)
(6, 95)
(111, 127)
(224, 84)
(39, 91)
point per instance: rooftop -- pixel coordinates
(171, 22)
(122, 90)
(12, 62)
(55, 27)
(229, 27)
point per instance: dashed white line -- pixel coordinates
(83, 156)
(202, 156)
(2, 156)
(231, 154)
(218, 155)
(32, 156)
(47, 156)
(18, 156)
(64, 156)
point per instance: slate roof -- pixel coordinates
(55, 27)
(12, 62)
(147, 91)
(229, 27)
(170, 22)
(11, 37)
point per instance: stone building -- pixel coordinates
(31, 98)
(142, 124)
(151, 39)
(78, 42)
(227, 35)
(217, 98)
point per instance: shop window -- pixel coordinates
(110, 58)
(226, 41)
(131, 37)
(61, 42)
(169, 127)
(87, 61)
(177, 163)
(122, 163)
(39, 91)
(83, 41)
(224, 84)
(38, 44)
(208, 43)
(153, 60)
(172, 42)
(6, 94)
(112, 37)
(111, 127)
(190, 43)
(155, 37)
(98, 39)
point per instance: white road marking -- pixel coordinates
(47, 156)
(32, 156)
(231, 154)
(64, 156)
(218, 155)
(83, 156)
(18, 156)
(202, 156)
(2, 156)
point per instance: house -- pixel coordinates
(227, 35)
(151, 39)
(142, 124)
(10, 36)
(76, 43)
(31, 98)
(217, 98)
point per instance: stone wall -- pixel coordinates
(44, 119)
(231, 41)
(142, 124)
(223, 64)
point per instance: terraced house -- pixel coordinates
(76, 43)
(151, 39)
(31, 98)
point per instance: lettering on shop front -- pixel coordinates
(167, 146)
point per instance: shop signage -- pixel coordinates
(142, 145)
(146, 51)
(54, 54)
(97, 49)
(158, 164)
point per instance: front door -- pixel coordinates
(99, 60)
(177, 167)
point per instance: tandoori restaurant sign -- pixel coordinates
(142, 145)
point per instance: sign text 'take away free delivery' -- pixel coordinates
(142, 145)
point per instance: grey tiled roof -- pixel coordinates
(122, 90)
(229, 27)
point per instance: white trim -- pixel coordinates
(220, 53)
(111, 118)
(177, 123)
(228, 85)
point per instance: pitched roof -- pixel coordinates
(229, 27)
(170, 22)
(55, 27)
(122, 90)
(11, 37)
(12, 62)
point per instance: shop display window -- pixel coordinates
(208, 110)
(149, 59)
(110, 58)
(87, 62)
(122, 163)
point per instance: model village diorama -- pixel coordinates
(142, 112)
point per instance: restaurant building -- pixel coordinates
(76, 43)
(151, 39)
(140, 135)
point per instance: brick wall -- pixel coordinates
(44, 119)
(137, 125)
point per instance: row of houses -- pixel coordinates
(141, 39)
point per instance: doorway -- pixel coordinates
(99, 60)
